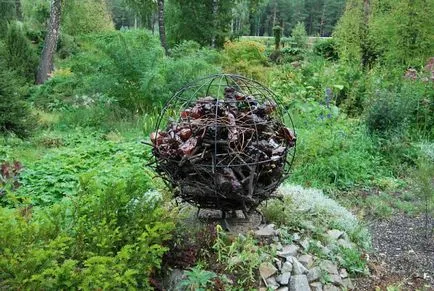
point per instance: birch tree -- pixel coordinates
(50, 44)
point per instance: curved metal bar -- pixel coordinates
(186, 97)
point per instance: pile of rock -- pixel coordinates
(294, 269)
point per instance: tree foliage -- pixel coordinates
(195, 20)
(145, 9)
(397, 32)
(7, 13)
(86, 16)
(259, 17)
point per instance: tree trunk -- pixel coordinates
(50, 44)
(252, 29)
(274, 13)
(215, 7)
(161, 26)
(365, 45)
(323, 19)
(18, 10)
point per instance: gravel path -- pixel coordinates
(402, 255)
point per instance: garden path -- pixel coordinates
(402, 255)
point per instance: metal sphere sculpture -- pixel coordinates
(221, 142)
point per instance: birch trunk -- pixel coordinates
(215, 7)
(18, 10)
(50, 44)
(161, 26)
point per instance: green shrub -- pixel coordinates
(406, 108)
(299, 36)
(67, 46)
(339, 156)
(240, 257)
(245, 58)
(185, 48)
(108, 237)
(57, 92)
(347, 84)
(286, 55)
(291, 54)
(198, 279)
(327, 49)
(123, 66)
(248, 51)
(393, 32)
(386, 114)
(7, 13)
(352, 260)
(348, 33)
(352, 94)
(332, 150)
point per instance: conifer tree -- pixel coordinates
(15, 116)
(19, 53)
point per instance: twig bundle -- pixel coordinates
(224, 154)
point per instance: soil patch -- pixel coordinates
(402, 254)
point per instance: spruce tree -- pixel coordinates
(15, 115)
(19, 53)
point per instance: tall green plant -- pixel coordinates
(299, 35)
(424, 177)
(348, 33)
(19, 54)
(15, 115)
(277, 32)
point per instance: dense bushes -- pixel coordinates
(396, 33)
(407, 108)
(391, 115)
(18, 63)
(327, 49)
(299, 36)
(126, 69)
(245, 58)
(344, 83)
(101, 226)
(108, 237)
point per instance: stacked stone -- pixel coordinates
(294, 269)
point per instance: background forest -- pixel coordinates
(82, 83)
